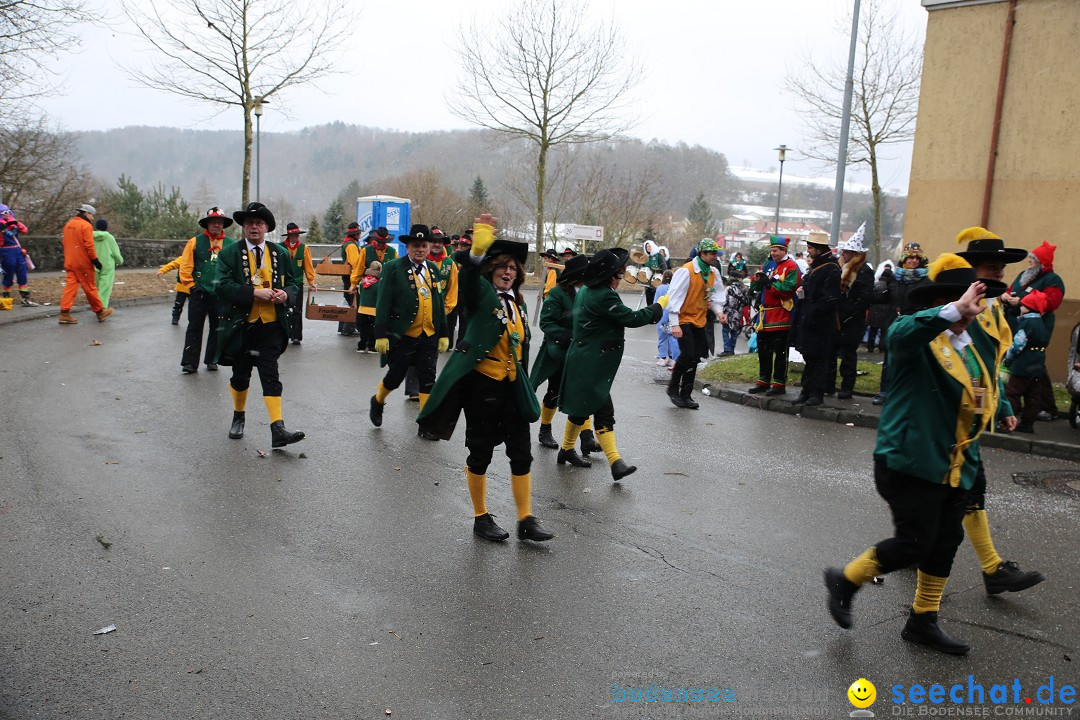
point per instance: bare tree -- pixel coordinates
(237, 52)
(40, 181)
(33, 32)
(542, 73)
(622, 200)
(433, 203)
(884, 103)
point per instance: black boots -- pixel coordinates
(589, 443)
(620, 469)
(546, 438)
(1010, 578)
(841, 591)
(375, 412)
(281, 436)
(529, 529)
(236, 430)
(571, 456)
(923, 628)
(484, 526)
(681, 402)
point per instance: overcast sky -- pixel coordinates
(714, 69)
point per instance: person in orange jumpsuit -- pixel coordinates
(80, 261)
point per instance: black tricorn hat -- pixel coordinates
(950, 277)
(574, 269)
(985, 246)
(256, 210)
(604, 265)
(293, 229)
(419, 233)
(517, 250)
(215, 213)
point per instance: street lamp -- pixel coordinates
(782, 150)
(259, 102)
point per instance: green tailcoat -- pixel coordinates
(205, 268)
(397, 304)
(600, 319)
(557, 322)
(928, 427)
(235, 289)
(485, 312)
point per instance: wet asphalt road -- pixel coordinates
(347, 582)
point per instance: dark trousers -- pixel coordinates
(457, 319)
(976, 496)
(350, 327)
(849, 364)
(551, 397)
(692, 348)
(815, 374)
(927, 518)
(603, 417)
(296, 317)
(203, 306)
(492, 418)
(710, 334)
(1045, 395)
(875, 337)
(366, 324)
(650, 294)
(421, 352)
(262, 348)
(772, 357)
(178, 304)
(884, 389)
(1026, 395)
(412, 382)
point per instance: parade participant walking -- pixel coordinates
(256, 282)
(458, 317)
(350, 253)
(365, 307)
(13, 260)
(446, 279)
(819, 299)
(198, 270)
(485, 377)
(410, 324)
(774, 286)
(857, 285)
(557, 322)
(80, 262)
(987, 253)
(596, 349)
(942, 397)
(108, 253)
(301, 255)
(377, 250)
(695, 289)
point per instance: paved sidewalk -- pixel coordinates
(22, 314)
(1055, 439)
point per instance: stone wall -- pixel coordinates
(48, 251)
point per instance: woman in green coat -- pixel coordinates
(557, 322)
(108, 253)
(596, 349)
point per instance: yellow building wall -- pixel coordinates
(1036, 190)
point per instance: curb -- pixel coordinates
(54, 310)
(859, 418)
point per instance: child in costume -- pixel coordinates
(365, 307)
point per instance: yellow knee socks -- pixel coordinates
(570, 436)
(380, 393)
(546, 415)
(606, 438)
(928, 592)
(863, 568)
(239, 399)
(978, 531)
(522, 487)
(587, 425)
(423, 399)
(273, 406)
(477, 491)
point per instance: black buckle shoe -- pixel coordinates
(375, 412)
(427, 434)
(803, 397)
(545, 438)
(189, 369)
(620, 469)
(236, 430)
(814, 400)
(484, 526)
(844, 395)
(678, 401)
(690, 404)
(529, 529)
(757, 389)
(589, 443)
(176, 320)
(571, 456)
(282, 437)
(212, 367)
(776, 390)
(923, 628)
(1010, 578)
(841, 591)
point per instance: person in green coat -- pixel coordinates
(485, 377)
(942, 395)
(256, 280)
(557, 322)
(596, 349)
(108, 253)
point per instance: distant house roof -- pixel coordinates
(764, 227)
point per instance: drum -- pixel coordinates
(657, 280)
(638, 257)
(644, 275)
(630, 274)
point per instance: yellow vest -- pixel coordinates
(262, 309)
(424, 322)
(499, 363)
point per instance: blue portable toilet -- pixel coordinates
(392, 213)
